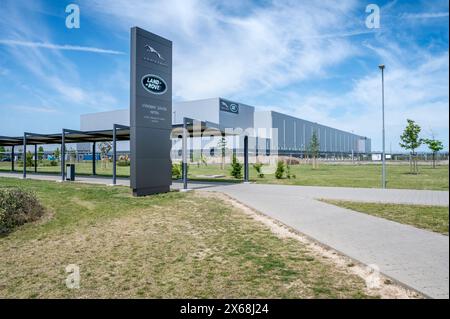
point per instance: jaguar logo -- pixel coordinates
(152, 50)
(154, 84)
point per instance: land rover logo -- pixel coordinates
(154, 84)
(234, 108)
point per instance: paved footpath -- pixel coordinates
(414, 257)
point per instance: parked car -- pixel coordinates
(6, 159)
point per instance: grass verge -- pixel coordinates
(175, 245)
(338, 175)
(434, 218)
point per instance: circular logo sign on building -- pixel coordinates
(154, 84)
(234, 108)
(229, 107)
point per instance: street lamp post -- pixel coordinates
(383, 155)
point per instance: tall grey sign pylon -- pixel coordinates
(150, 113)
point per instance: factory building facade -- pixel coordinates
(269, 131)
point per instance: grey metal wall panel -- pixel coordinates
(104, 120)
(289, 136)
(204, 110)
(330, 139)
(293, 133)
(244, 119)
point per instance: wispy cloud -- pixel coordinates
(270, 48)
(3, 71)
(425, 15)
(34, 109)
(52, 46)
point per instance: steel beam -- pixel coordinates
(246, 158)
(94, 158)
(24, 155)
(114, 154)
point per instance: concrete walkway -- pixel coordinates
(414, 257)
(105, 180)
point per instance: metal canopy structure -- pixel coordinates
(70, 136)
(189, 128)
(195, 128)
(118, 133)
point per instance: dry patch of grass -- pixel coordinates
(175, 245)
(385, 287)
(433, 218)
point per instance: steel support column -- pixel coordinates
(184, 154)
(24, 155)
(246, 158)
(114, 154)
(63, 155)
(94, 158)
(35, 158)
(383, 158)
(12, 158)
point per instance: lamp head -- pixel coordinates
(381, 66)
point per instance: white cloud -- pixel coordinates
(47, 73)
(65, 47)
(418, 92)
(3, 71)
(425, 15)
(235, 49)
(33, 109)
(219, 54)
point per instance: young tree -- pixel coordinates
(40, 153)
(314, 147)
(222, 145)
(411, 141)
(236, 168)
(435, 146)
(280, 170)
(29, 159)
(258, 169)
(56, 153)
(104, 148)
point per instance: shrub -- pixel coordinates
(258, 167)
(288, 172)
(122, 162)
(280, 170)
(49, 163)
(18, 207)
(176, 171)
(29, 158)
(236, 168)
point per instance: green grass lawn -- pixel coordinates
(84, 168)
(174, 245)
(434, 218)
(398, 176)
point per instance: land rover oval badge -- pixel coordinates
(154, 84)
(234, 108)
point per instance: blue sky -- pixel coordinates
(313, 59)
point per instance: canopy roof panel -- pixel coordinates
(195, 128)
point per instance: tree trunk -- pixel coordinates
(410, 163)
(434, 160)
(415, 167)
